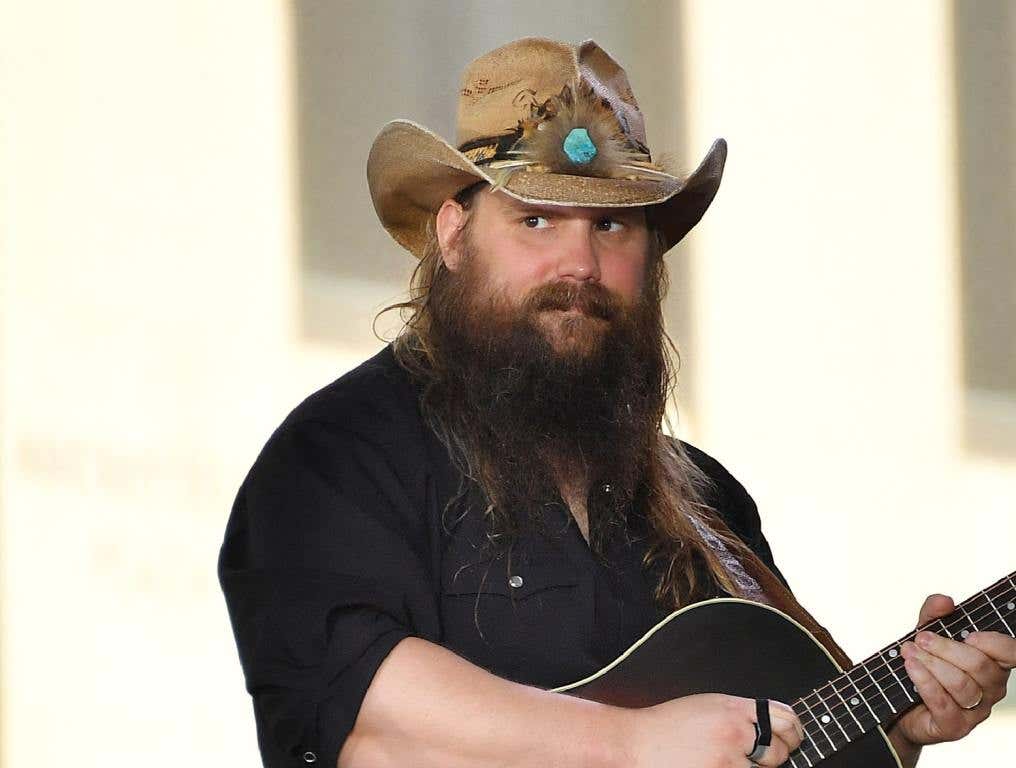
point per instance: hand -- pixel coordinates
(952, 676)
(708, 730)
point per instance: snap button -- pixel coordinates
(309, 757)
(515, 581)
(607, 488)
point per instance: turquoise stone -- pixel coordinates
(578, 146)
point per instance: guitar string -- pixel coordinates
(892, 696)
(987, 609)
(974, 617)
(813, 721)
(813, 726)
(890, 679)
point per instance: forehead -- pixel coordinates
(500, 203)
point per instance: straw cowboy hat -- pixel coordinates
(546, 122)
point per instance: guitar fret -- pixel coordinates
(998, 610)
(849, 710)
(820, 727)
(844, 699)
(867, 671)
(863, 698)
(793, 760)
(998, 613)
(811, 740)
(966, 632)
(805, 755)
(898, 681)
(1009, 606)
(829, 714)
(808, 742)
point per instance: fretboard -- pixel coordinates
(878, 689)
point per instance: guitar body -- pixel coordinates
(727, 646)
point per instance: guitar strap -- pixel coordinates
(776, 594)
(747, 587)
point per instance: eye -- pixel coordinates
(607, 224)
(533, 222)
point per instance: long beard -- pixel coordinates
(529, 395)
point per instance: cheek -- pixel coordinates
(625, 276)
(516, 271)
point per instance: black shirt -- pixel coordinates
(338, 547)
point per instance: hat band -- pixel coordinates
(489, 148)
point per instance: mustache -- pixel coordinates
(589, 298)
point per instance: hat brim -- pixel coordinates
(411, 171)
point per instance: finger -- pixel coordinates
(963, 689)
(787, 731)
(776, 754)
(964, 656)
(998, 647)
(935, 607)
(779, 713)
(782, 732)
(781, 716)
(945, 720)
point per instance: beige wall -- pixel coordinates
(147, 245)
(186, 250)
(827, 339)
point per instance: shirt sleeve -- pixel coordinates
(738, 509)
(324, 571)
(754, 537)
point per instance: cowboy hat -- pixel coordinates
(545, 122)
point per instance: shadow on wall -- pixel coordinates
(985, 45)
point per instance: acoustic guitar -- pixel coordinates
(742, 648)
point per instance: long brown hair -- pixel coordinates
(673, 488)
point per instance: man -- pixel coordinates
(488, 508)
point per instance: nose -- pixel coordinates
(577, 258)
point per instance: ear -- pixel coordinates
(451, 218)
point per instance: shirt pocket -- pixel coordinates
(514, 622)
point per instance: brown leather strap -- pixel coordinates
(782, 599)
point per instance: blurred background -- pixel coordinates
(187, 249)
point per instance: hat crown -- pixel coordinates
(502, 87)
(545, 122)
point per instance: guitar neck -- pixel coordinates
(878, 689)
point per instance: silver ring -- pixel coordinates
(758, 753)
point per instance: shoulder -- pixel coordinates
(378, 393)
(375, 403)
(734, 505)
(727, 495)
(367, 421)
(713, 468)
(347, 459)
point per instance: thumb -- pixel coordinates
(935, 607)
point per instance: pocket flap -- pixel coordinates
(494, 578)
